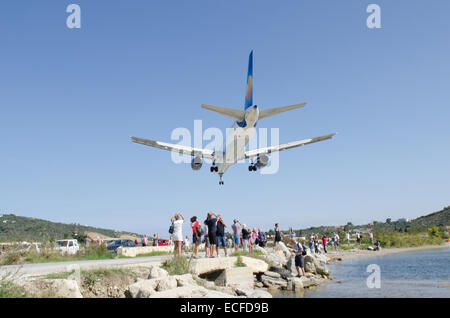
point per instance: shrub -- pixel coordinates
(178, 265)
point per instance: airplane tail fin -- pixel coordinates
(249, 91)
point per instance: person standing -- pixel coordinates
(311, 244)
(336, 239)
(206, 240)
(347, 238)
(236, 227)
(358, 238)
(261, 238)
(245, 238)
(196, 234)
(187, 244)
(299, 259)
(178, 220)
(371, 237)
(278, 235)
(324, 242)
(253, 239)
(221, 225)
(211, 222)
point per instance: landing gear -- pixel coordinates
(220, 182)
(214, 169)
(252, 168)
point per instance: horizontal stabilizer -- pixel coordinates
(278, 110)
(289, 145)
(235, 114)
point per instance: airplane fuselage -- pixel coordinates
(237, 140)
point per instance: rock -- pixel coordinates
(191, 292)
(260, 294)
(65, 288)
(297, 284)
(142, 289)
(166, 283)
(210, 265)
(291, 265)
(310, 268)
(272, 274)
(274, 282)
(241, 277)
(281, 246)
(308, 282)
(282, 271)
(157, 272)
(184, 280)
(261, 249)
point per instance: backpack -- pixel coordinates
(171, 228)
(199, 231)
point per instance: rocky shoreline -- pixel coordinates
(261, 276)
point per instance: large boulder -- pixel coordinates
(142, 289)
(272, 274)
(281, 246)
(317, 264)
(64, 288)
(261, 249)
(271, 282)
(210, 265)
(297, 284)
(184, 280)
(291, 265)
(157, 272)
(147, 287)
(285, 273)
(241, 277)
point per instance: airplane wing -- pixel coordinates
(235, 114)
(205, 153)
(264, 113)
(289, 145)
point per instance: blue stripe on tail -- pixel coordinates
(249, 91)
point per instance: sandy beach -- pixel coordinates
(341, 255)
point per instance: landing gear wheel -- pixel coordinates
(250, 168)
(216, 169)
(211, 169)
(254, 168)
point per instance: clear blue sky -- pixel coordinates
(70, 99)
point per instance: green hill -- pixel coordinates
(440, 219)
(20, 228)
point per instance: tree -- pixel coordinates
(388, 220)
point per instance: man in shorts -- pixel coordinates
(211, 222)
(299, 259)
(236, 234)
(221, 225)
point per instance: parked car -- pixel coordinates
(67, 246)
(163, 242)
(120, 243)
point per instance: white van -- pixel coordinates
(67, 246)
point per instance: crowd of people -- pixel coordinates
(212, 233)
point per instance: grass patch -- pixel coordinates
(92, 276)
(178, 265)
(10, 290)
(47, 255)
(239, 262)
(62, 275)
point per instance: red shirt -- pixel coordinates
(324, 240)
(195, 226)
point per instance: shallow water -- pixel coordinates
(409, 274)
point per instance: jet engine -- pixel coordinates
(262, 161)
(196, 163)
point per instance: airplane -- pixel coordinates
(236, 143)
